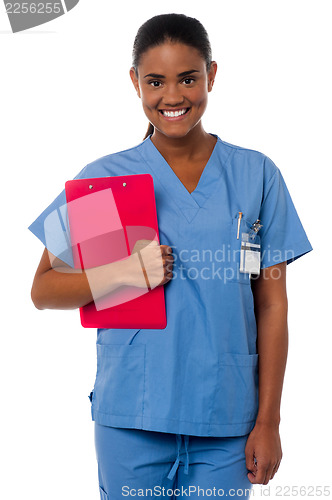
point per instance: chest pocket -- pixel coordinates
(240, 224)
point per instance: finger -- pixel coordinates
(166, 249)
(168, 258)
(251, 464)
(260, 474)
(168, 266)
(250, 456)
(167, 276)
(269, 472)
(275, 469)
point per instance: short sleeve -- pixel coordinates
(283, 237)
(52, 228)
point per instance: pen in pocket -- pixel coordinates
(238, 224)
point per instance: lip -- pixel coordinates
(174, 118)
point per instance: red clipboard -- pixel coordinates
(107, 216)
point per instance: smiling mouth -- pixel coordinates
(173, 113)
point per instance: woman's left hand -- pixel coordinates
(263, 453)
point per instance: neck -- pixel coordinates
(182, 147)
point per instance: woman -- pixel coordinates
(197, 404)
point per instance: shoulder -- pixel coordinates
(247, 159)
(120, 162)
(119, 155)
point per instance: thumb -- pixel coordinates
(251, 462)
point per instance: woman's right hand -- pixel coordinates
(157, 264)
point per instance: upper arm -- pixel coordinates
(270, 287)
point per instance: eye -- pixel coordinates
(189, 80)
(153, 82)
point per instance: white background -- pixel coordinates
(67, 99)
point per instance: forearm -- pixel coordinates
(272, 347)
(67, 288)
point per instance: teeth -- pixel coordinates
(172, 114)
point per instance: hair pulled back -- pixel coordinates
(174, 28)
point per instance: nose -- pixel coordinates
(172, 96)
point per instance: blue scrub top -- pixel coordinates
(199, 375)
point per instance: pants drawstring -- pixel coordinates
(186, 442)
(177, 461)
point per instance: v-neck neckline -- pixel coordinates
(188, 203)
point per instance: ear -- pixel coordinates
(134, 79)
(212, 75)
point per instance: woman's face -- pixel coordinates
(173, 84)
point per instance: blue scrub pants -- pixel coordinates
(149, 464)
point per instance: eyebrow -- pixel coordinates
(184, 73)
